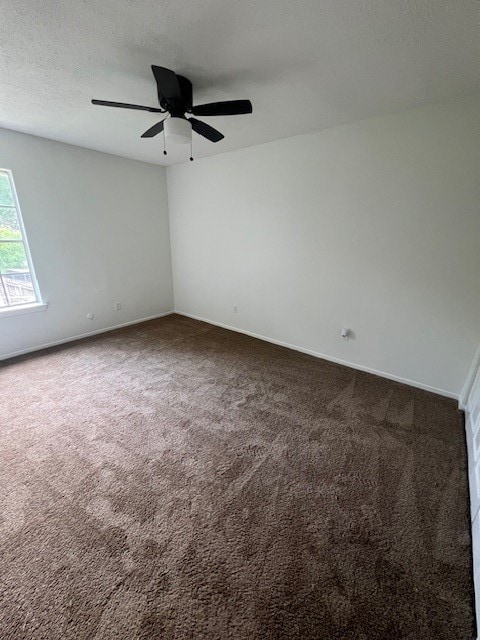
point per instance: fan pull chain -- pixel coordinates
(164, 144)
(191, 151)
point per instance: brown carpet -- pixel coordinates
(177, 481)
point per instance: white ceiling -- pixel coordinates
(305, 64)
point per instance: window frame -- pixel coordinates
(22, 307)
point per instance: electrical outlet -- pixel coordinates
(117, 306)
(235, 309)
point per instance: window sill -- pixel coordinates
(23, 309)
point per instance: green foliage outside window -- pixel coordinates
(12, 254)
(6, 197)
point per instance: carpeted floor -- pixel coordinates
(176, 481)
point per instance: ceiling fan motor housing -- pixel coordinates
(178, 104)
(178, 130)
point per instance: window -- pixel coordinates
(18, 285)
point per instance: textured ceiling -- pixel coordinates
(306, 65)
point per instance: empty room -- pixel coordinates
(239, 320)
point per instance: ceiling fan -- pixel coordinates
(175, 99)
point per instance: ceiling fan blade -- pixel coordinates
(126, 105)
(228, 108)
(168, 87)
(153, 131)
(206, 130)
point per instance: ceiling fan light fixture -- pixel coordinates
(178, 130)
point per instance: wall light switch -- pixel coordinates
(117, 306)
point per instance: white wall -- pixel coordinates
(373, 225)
(98, 231)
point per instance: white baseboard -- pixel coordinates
(316, 354)
(56, 343)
